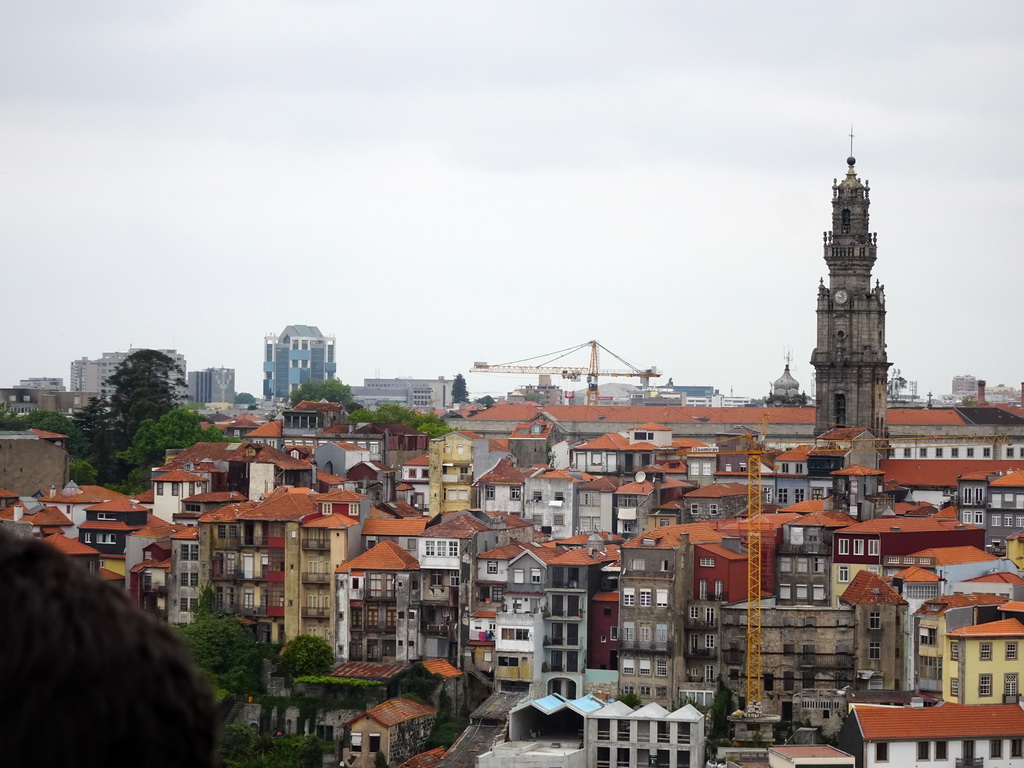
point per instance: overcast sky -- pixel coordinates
(441, 182)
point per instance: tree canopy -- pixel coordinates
(146, 385)
(179, 428)
(307, 655)
(244, 398)
(460, 394)
(331, 390)
(486, 401)
(392, 413)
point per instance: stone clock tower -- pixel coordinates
(849, 360)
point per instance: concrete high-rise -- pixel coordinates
(849, 360)
(92, 375)
(300, 353)
(212, 385)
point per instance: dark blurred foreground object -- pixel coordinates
(88, 680)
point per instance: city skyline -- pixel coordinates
(657, 178)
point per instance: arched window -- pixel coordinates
(839, 413)
(845, 220)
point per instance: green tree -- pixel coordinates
(307, 655)
(380, 761)
(146, 385)
(968, 402)
(460, 394)
(96, 425)
(533, 397)
(392, 413)
(225, 650)
(82, 472)
(331, 390)
(244, 398)
(630, 700)
(486, 401)
(179, 428)
(721, 707)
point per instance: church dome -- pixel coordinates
(786, 386)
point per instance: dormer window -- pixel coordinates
(643, 437)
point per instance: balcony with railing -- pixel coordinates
(701, 624)
(969, 762)
(252, 610)
(319, 543)
(315, 577)
(253, 540)
(826, 660)
(632, 644)
(698, 652)
(438, 630)
(315, 612)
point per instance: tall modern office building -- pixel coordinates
(300, 353)
(212, 385)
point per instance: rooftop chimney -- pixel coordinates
(981, 391)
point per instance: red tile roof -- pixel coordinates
(429, 759)
(868, 588)
(179, 476)
(368, 670)
(68, 546)
(945, 602)
(1010, 480)
(339, 495)
(857, 470)
(189, 532)
(41, 433)
(228, 513)
(998, 578)
(946, 721)
(955, 555)
(456, 527)
(505, 472)
(87, 494)
(1003, 628)
(211, 497)
(334, 520)
(811, 505)
(423, 460)
(917, 575)
(108, 575)
(395, 711)
(907, 525)
(122, 504)
(270, 429)
(386, 556)
(389, 526)
(828, 519)
(636, 489)
(441, 667)
(718, 491)
(940, 473)
(282, 505)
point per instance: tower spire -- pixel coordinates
(851, 143)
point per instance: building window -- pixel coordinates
(874, 650)
(954, 651)
(629, 597)
(662, 598)
(535, 575)
(858, 547)
(873, 545)
(995, 748)
(985, 651)
(1010, 684)
(489, 492)
(707, 562)
(875, 620)
(844, 546)
(924, 750)
(628, 666)
(357, 742)
(954, 687)
(881, 752)
(844, 574)
(1016, 747)
(1011, 651)
(712, 510)
(661, 667)
(492, 566)
(645, 598)
(954, 452)
(984, 685)
(940, 750)
(515, 493)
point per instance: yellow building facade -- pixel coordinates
(982, 663)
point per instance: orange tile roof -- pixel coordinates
(916, 574)
(423, 460)
(68, 546)
(456, 527)
(485, 615)
(508, 412)
(157, 530)
(717, 550)
(189, 532)
(102, 525)
(955, 555)
(1017, 606)
(122, 504)
(504, 472)
(215, 496)
(391, 526)
(907, 525)
(637, 489)
(605, 597)
(1002, 628)
(998, 578)
(87, 494)
(395, 711)
(811, 505)
(857, 470)
(386, 556)
(429, 759)
(797, 453)
(579, 556)
(601, 484)
(179, 476)
(940, 473)
(946, 721)
(334, 520)
(339, 495)
(868, 588)
(8, 494)
(146, 497)
(228, 513)
(441, 667)
(281, 506)
(506, 552)
(108, 575)
(960, 600)
(582, 539)
(270, 429)
(42, 433)
(828, 519)
(718, 491)
(939, 417)
(651, 427)
(1011, 480)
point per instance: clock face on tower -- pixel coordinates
(841, 296)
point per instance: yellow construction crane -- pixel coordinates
(571, 372)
